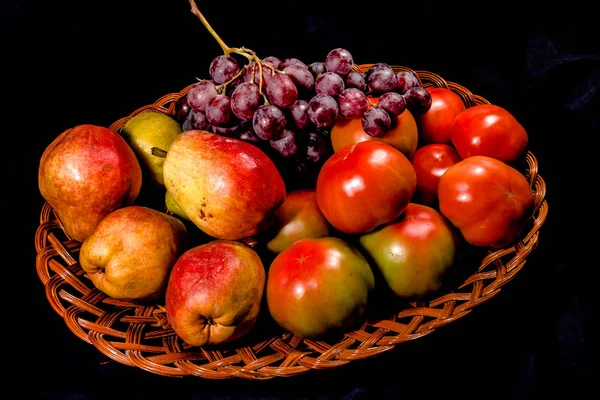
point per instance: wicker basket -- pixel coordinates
(138, 335)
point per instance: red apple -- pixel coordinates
(319, 286)
(85, 173)
(214, 292)
(228, 188)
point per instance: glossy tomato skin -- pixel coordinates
(436, 124)
(415, 252)
(319, 286)
(365, 185)
(489, 130)
(403, 135)
(430, 163)
(297, 218)
(486, 199)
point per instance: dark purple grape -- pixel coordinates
(274, 61)
(405, 80)
(376, 122)
(200, 93)
(246, 133)
(383, 80)
(356, 80)
(182, 108)
(197, 120)
(187, 125)
(218, 111)
(353, 103)
(268, 122)
(376, 67)
(339, 61)
(317, 149)
(286, 146)
(316, 68)
(301, 77)
(245, 100)
(287, 61)
(392, 102)
(223, 68)
(299, 114)
(281, 90)
(323, 110)
(252, 73)
(418, 100)
(329, 83)
(226, 130)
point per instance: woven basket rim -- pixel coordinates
(138, 335)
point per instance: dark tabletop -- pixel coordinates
(65, 64)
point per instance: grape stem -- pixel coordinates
(249, 54)
(226, 49)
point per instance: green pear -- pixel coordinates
(148, 129)
(173, 207)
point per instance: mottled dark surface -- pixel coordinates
(65, 64)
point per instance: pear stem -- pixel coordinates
(158, 152)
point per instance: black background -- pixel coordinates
(65, 64)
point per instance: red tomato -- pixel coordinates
(365, 185)
(415, 252)
(435, 125)
(403, 135)
(486, 199)
(298, 217)
(488, 130)
(318, 286)
(430, 163)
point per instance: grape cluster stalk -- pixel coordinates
(287, 107)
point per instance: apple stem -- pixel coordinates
(157, 151)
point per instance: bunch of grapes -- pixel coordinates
(288, 107)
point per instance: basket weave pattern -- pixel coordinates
(138, 335)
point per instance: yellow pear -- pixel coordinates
(148, 129)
